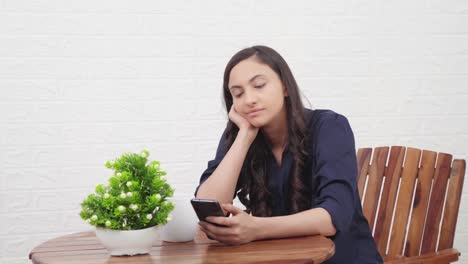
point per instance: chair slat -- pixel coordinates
(421, 199)
(436, 201)
(405, 196)
(452, 205)
(374, 184)
(388, 198)
(363, 160)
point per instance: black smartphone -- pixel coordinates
(206, 207)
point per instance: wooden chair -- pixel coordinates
(421, 188)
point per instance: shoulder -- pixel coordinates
(329, 134)
(319, 119)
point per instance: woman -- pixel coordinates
(293, 168)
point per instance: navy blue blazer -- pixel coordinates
(332, 167)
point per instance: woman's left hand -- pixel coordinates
(239, 229)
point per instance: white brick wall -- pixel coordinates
(83, 81)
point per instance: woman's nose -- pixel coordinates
(250, 97)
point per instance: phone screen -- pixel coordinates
(206, 207)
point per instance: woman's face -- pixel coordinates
(257, 92)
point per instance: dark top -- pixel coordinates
(332, 164)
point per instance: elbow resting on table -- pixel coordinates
(329, 231)
(327, 228)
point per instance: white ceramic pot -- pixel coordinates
(128, 242)
(184, 222)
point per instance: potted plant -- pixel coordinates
(129, 211)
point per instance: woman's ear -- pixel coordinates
(285, 92)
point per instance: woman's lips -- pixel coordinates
(255, 113)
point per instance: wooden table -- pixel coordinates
(85, 248)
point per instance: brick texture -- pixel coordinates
(83, 81)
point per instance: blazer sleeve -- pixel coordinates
(336, 170)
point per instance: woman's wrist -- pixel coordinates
(245, 136)
(258, 228)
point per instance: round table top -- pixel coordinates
(84, 247)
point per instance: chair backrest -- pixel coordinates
(419, 190)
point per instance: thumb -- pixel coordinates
(232, 209)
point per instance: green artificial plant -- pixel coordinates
(134, 198)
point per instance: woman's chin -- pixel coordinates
(256, 123)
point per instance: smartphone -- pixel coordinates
(206, 207)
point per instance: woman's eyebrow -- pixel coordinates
(251, 80)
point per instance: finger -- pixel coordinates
(233, 109)
(216, 230)
(232, 209)
(229, 240)
(220, 220)
(208, 233)
(225, 239)
(236, 117)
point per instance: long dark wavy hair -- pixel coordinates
(253, 179)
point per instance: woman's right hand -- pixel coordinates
(243, 124)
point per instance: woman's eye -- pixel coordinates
(260, 85)
(238, 95)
